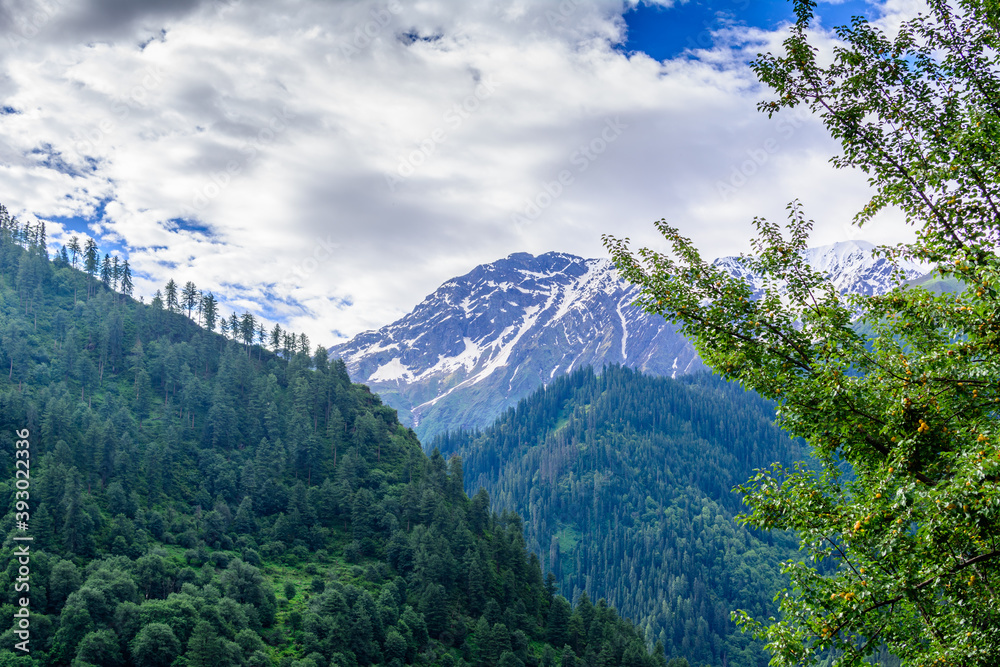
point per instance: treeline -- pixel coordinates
(203, 308)
(626, 483)
(115, 274)
(193, 504)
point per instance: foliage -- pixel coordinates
(625, 482)
(904, 417)
(180, 479)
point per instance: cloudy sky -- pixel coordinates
(326, 164)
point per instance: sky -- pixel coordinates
(327, 164)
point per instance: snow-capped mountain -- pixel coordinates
(849, 265)
(484, 340)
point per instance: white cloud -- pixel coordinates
(274, 126)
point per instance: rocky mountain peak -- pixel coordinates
(484, 340)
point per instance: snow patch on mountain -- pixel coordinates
(849, 265)
(484, 340)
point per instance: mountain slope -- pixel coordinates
(484, 340)
(180, 481)
(490, 337)
(625, 483)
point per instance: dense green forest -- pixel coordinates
(626, 483)
(196, 499)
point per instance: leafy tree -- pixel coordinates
(99, 648)
(900, 389)
(64, 579)
(244, 583)
(204, 649)
(508, 659)
(156, 645)
(395, 645)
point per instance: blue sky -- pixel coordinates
(666, 32)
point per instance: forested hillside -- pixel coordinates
(626, 483)
(196, 500)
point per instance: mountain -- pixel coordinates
(195, 499)
(849, 265)
(484, 340)
(625, 483)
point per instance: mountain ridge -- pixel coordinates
(486, 339)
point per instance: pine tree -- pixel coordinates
(106, 271)
(126, 279)
(247, 328)
(41, 240)
(91, 262)
(204, 649)
(91, 259)
(558, 622)
(116, 273)
(276, 338)
(244, 522)
(434, 606)
(74, 248)
(210, 311)
(189, 296)
(170, 291)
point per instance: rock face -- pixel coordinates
(483, 341)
